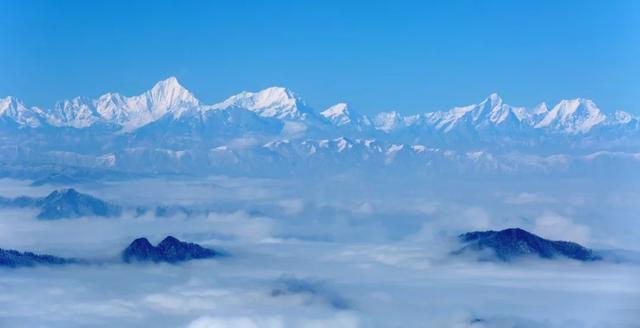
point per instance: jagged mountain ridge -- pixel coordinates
(169, 98)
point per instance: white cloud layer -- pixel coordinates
(355, 255)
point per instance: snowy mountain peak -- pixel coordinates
(387, 121)
(78, 112)
(492, 103)
(338, 114)
(622, 117)
(133, 112)
(493, 100)
(341, 115)
(169, 93)
(274, 94)
(336, 110)
(490, 111)
(170, 82)
(573, 116)
(16, 111)
(275, 102)
(540, 109)
(9, 103)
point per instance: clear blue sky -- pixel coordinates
(411, 56)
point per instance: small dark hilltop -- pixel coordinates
(65, 203)
(15, 259)
(512, 244)
(170, 250)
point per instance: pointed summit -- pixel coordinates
(494, 99)
(169, 93)
(277, 93)
(338, 114)
(170, 81)
(492, 103)
(139, 250)
(337, 109)
(499, 112)
(341, 115)
(169, 241)
(133, 112)
(168, 85)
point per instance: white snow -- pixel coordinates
(338, 114)
(129, 112)
(387, 121)
(275, 102)
(342, 144)
(419, 148)
(573, 116)
(15, 110)
(394, 148)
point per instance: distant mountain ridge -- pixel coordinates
(168, 97)
(167, 129)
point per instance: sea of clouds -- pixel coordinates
(344, 251)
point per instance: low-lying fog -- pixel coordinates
(340, 252)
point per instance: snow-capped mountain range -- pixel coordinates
(168, 127)
(129, 113)
(169, 98)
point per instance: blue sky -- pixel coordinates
(377, 55)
